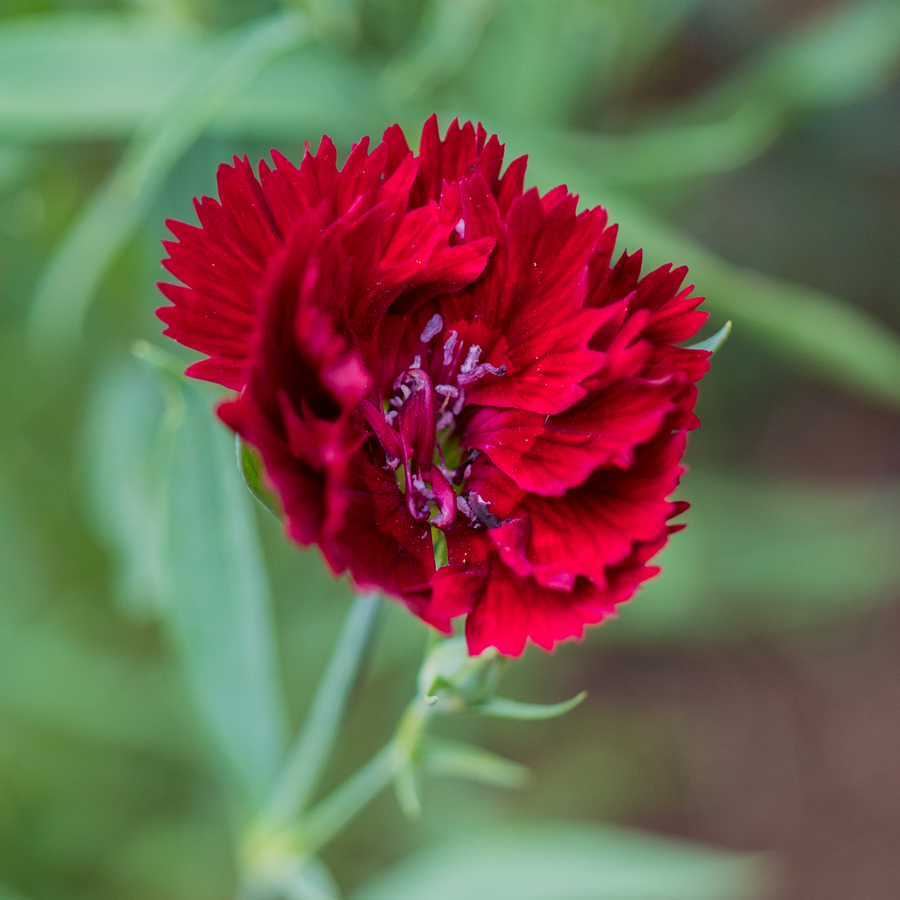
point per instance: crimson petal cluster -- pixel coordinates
(435, 364)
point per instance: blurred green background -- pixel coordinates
(747, 700)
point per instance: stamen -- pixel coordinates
(449, 345)
(471, 359)
(479, 507)
(458, 404)
(422, 488)
(479, 371)
(460, 229)
(417, 362)
(446, 390)
(434, 327)
(390, 416)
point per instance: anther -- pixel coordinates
(449, 345)
(471, 360)
(446, 390)
(417, 362)
(479, 371)
(434, 327)
(460, 229)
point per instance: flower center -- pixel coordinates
(417, 430)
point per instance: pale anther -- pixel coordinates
(460, 229)
(449, 345)
(446, 390)
(471, 359)
(434, 327)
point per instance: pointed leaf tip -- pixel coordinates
(501, 708)
(713, 343)
(456, 760)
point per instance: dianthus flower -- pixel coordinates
(437, 365)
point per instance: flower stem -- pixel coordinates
(329, 817)
(307, 758)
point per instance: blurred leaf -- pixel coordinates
(73, 272)
(448, 37)
(408, 790)
(758, 558)
(535, 60)
(839, 58)
(304, 95)
(52, 677)
(568, 862)
(219, 603)
(90, 75)
(251, 468)
(457, 760)
(9, 893)
(121, 446)
(14, 163)
(500, 708)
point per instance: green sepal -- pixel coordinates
(713, 343)
(501, 708)
(456, 760)
(253, 471)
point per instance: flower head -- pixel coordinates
(436, 364)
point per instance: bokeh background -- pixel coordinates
(748, 700)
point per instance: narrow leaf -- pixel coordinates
(457, 760)
(569, 862)
(500, 708)
(219, 602)
(74, 271)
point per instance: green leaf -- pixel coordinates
(55, 679)
(71, 276)
(219, 603)
(252, 469)
(407, 789)
(8, 893)
(568, 862)
(713, 343)
(122, 465)
(837, 59)
(90, 75)
(442, 757)
(500, 708)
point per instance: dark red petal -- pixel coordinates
(222, 265)
(512, 610)
(550, 454)
(593, 526)
(378, 541)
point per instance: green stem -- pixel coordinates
(331, 815)
(307, 758)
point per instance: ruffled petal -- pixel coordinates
(550, 454)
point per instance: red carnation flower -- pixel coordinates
(432, 364)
